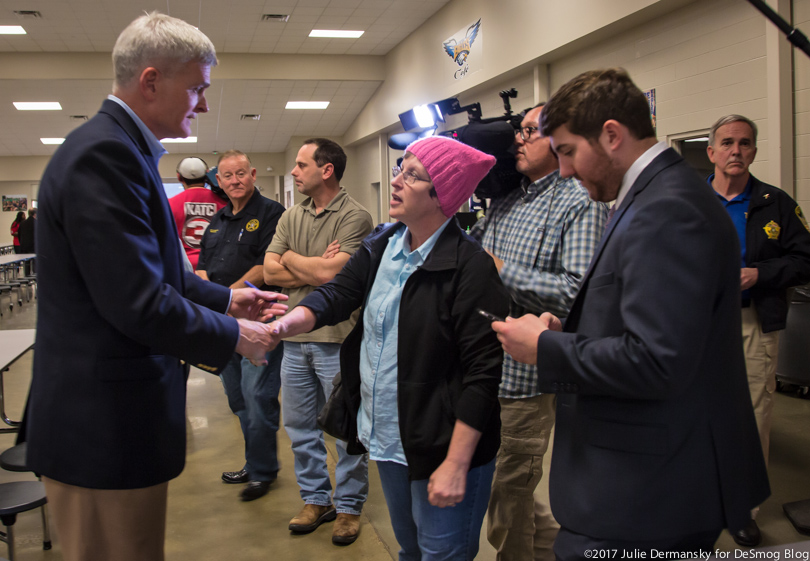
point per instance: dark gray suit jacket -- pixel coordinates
(116, 314)
(655, 433)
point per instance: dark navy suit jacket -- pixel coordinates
(116, 314)
(655, 433)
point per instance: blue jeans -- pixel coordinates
(429, 533)
(306, 376)
(253, 397)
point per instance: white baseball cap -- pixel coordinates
(191, 169)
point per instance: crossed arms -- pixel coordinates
(292, 270)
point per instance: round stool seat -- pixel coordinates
(19, 496)
(13, 459)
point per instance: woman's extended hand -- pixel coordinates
(447, 484)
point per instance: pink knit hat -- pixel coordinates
(454, 168)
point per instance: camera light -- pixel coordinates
(424, 116)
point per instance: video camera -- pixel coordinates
(494, 136)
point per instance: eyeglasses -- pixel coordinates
(526, 132)
(409, 177)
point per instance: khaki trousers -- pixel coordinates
(761, 353)
(519, 526)
(108, 524)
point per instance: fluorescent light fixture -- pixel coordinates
(698, 139)
(307, 105)
(37, 106)
(336, 33)
(52, 140)
(12, 30)
(188, 139)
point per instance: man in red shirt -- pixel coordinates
(194, 207)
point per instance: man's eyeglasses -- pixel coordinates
(526, 132)
(409, 177)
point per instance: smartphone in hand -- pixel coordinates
(489, 316)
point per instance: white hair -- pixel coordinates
(159, 40)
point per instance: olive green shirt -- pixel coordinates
(308, 234)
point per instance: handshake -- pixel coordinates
(253, 308)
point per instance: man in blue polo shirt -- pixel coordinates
(232, 254)
(775, 244)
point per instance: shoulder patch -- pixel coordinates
(801, 217)
(772, 230)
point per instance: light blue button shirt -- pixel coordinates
(378, 418)
(156, 149)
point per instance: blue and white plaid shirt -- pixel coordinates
(545, 234)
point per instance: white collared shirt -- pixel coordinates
(635, 170)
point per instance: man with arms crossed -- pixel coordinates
(106, 420)
(655, 447)
(313, 241)
(775, 248)
(542, 237)
(232, 254)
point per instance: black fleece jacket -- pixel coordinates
(778, 244)
(449, 359)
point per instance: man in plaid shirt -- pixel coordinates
(542, 237)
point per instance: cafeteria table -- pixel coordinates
(14, 343)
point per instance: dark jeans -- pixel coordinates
(253, 397)
(429, 533)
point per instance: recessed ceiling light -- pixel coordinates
(337, 33)
(307, 105)
(37, 106)
(188, 139)
(52, 140)
(12, 30)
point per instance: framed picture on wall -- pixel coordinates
(15, 203)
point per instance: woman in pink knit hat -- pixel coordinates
(421, 368)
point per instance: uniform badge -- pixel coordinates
(766, 195)
(252, 226)
(772, 230)
(801, 217)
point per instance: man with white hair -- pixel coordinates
(117, 313)
(774, 257)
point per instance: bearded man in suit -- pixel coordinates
(656, 446)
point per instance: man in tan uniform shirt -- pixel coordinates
(313, 240)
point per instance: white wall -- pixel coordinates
(514, 33)
(704, 61)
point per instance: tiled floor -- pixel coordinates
(207, 521)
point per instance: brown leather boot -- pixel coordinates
(346, 528)
(310, 517)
